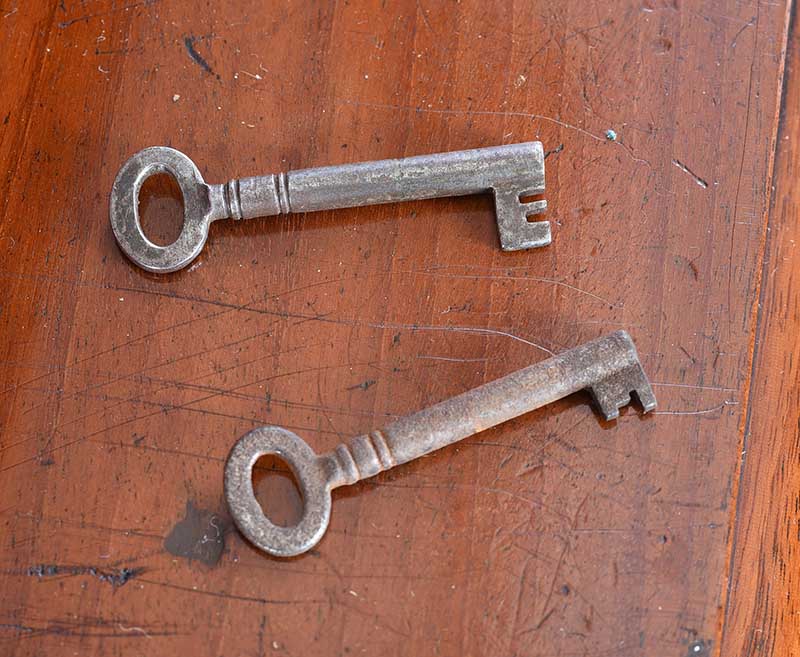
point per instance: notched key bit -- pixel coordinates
(510, 172)
(608, 367)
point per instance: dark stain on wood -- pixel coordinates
(198, 536)
(196, 57)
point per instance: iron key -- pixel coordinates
(608, 367)
(510, 172)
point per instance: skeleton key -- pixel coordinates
(608, 368)
(509, 172)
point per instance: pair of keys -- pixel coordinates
(608, 367)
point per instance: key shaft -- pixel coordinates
(608, 368)
(457, 173)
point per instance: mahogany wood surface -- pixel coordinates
(762, 615)
(121, 392)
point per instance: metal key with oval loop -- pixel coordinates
(608, 368)
(509, 172)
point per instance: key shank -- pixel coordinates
(608, 368)
(509, 172)
(458, 173)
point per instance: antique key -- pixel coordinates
(607, 367)
(510, 172)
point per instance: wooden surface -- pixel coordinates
(556, 534)
(762, 617)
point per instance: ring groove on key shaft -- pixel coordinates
(364, 456)
(608, 367)
(282, 192)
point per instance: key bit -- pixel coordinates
(509, 172)
(608, 367)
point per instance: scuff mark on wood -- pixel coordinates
(364, 385)
(116, 577)
(555, 151)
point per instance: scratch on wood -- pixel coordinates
(79, 19)
(135, 628)
(743, 28)
(240, 598)
(425, 110)
(462, 329)
(364, 385)
(687, 170)
(116, 577)
(727, 402)
(554, 151)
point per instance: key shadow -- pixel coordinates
(471, 218)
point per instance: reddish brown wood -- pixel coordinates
(762, 614)
(121, 392)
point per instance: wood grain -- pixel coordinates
(121, 391)
(764, 586)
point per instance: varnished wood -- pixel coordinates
(557, 534)
(762, 614)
